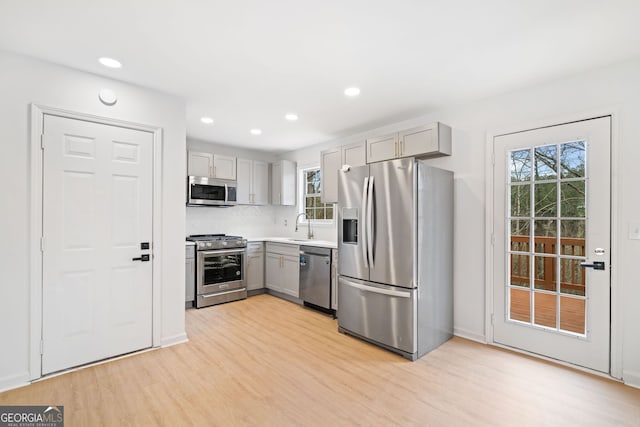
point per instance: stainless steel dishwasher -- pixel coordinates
(315, 277)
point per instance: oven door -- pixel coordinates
(220, 270)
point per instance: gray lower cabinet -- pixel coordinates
(190, 275)
(255, 266)
(282, 267)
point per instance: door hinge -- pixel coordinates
(493, 239)
(41, 347)
(493, 318)
(42, 244)
(42, 142)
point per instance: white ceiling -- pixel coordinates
(248, 62)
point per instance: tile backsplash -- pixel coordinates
(252, 221)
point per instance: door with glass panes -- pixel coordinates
(552, 242)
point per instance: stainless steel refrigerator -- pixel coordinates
(395, 250)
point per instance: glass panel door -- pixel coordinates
(551, 214)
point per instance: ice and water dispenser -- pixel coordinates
(350, 225)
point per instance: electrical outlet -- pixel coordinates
(285, 224)
(634, 231)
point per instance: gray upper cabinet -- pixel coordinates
(211, 165)
(382, 148)
(423, 141)
(433, 140)
(200, 164)
(260, 183)
(283, 183)
(354, 154)
(253, 182)
(330, 163)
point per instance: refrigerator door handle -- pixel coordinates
(363, 231)
(370, 222)
(376, 290)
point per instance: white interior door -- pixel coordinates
(97, 210)
(551, 214)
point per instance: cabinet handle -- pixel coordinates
(214, 171)
(401, 148)
(395, 149)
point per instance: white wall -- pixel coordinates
(24, 81)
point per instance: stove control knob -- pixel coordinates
(208, 244)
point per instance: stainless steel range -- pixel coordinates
(220, 268)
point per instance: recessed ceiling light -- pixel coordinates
(352, 91)
(291, 117)
(255, 131)
(110, 62)
(207, 120)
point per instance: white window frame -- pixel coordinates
(301, 199)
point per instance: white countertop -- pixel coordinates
(288, 240)
(305, 242)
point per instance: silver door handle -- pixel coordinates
(389, 292)
(363, 233)
(370, 222)
(217, 294)
(597, 265)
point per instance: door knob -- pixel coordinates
(597, 265)
(143, 258)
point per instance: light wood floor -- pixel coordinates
(265, 361)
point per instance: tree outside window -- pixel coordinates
(312, 206)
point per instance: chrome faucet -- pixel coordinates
(309, 232)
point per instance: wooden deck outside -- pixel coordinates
(572, 283)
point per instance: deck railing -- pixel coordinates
(572, 280)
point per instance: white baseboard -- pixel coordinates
(630, 378)
(176, 339)
(462, 333)
(14, 381)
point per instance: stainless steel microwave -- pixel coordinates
(203, 191)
